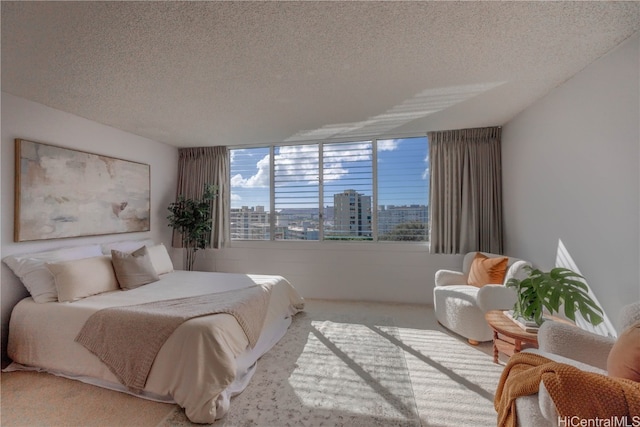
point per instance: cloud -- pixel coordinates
(425, 174)
(259, 179)
(299, 163)
(336, 155)
(388, 144)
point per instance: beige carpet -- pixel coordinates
(350, 364)
(39, 399)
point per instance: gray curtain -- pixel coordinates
(465, 203)
(206, 165)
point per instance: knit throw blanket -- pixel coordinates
(127, 339)
(575, 393)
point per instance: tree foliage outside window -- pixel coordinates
(406, 232)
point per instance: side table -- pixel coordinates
(508, 337)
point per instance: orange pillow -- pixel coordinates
(485, 270)
(624, 357)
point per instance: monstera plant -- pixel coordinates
(553, 290)
(192, 218)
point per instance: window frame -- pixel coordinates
(321, 240)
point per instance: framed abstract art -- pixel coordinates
(61, 192)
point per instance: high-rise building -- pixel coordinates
(352, 214)
(403, 222)
(249, 223)
(390, 216)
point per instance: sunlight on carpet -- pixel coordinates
(350, 368)
(459, 380)
(336, 372)
(367, 364)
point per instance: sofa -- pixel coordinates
(460, 306)
(587, 351)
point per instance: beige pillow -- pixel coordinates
(160, 259)
(83, 277)
(624, 357)
(133, 269)
(485, 270)
(35, 276)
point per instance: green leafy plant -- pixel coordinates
(415, 231)
(191, 217)
(551, 290)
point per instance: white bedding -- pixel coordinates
(202, 364)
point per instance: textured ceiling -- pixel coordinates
(230, 73)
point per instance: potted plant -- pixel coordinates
(551, 290)
(192, 218)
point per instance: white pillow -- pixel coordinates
(81, 278)
(160, 259)
(125, 245)
(31, 270)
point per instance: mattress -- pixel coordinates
(200, 366)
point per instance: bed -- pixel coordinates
(201, 365)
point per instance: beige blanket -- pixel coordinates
(127, 339)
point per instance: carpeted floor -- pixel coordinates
(33, 399)
(341, 363)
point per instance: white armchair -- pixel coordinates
(460, 307)
(574, 346)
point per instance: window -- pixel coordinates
(347, 181)
(295, 192)
(250, 199)
(374, 190)
(403, 189)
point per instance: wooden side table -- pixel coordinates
(508, 337)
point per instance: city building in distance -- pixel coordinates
(350, 218)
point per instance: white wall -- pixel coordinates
(28, 120)
(393, 272)
(571, 166)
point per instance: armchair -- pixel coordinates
(460, 307)
(574, 346)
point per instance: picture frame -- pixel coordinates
(62, 192)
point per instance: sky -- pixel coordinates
(403, 173)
